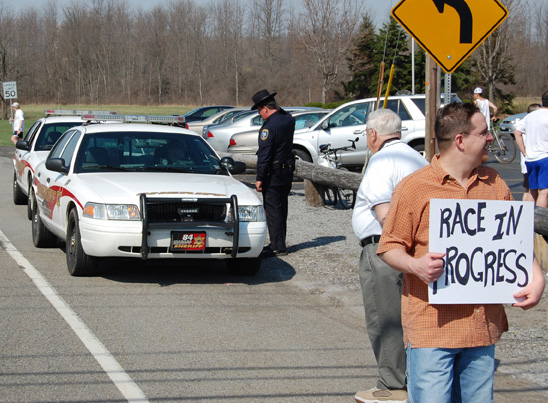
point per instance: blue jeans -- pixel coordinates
(450, 375)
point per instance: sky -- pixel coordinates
(378, 8)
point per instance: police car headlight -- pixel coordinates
(111, 211)
(248, 214)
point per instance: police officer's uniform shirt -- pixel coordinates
(275, 142)
(385, 170)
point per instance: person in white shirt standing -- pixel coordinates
(18, 123)
(484, 106)
(392, 160)
(534, 146)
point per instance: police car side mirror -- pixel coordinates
(234, 167)
(325, 124)
(56, 165)
(238, 168)
(22, 145)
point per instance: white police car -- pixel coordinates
(36, 145)
(144, 191)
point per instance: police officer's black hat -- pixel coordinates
(262, 97)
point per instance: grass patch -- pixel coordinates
(521, 103)
(33, 112)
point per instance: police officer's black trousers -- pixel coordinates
(275, 206)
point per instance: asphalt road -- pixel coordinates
(173, 332)
(165, 332)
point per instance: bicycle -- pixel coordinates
(331, 159)
(503, 147)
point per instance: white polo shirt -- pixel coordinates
(386, 168)
(535, 127)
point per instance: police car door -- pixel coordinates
(347, 123)
(55, 184)
(22, 165)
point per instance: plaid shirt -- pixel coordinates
(407, 227)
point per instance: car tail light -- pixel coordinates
(209, 134)
(232, 142)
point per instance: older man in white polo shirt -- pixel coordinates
(392, 160)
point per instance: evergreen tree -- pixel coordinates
(360, 62)
(391, 46)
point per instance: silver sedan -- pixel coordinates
(198, 126)
(247, 142)
(218, 136)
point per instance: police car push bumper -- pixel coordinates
(235, 238)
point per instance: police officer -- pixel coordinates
(275, 166)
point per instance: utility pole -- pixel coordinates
(432, 103)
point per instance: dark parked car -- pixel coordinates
(204, 112)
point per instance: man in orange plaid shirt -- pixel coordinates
(450, 348)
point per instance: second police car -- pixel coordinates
(142, 190)
(36, 145)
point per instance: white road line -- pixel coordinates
(113, 369)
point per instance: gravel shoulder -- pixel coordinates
(324, 254)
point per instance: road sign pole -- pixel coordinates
(432, 97)
(447, 99)
(412, 65)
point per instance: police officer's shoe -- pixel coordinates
(269, 252)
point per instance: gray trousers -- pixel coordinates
(381, 289)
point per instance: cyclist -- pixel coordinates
(484, 106)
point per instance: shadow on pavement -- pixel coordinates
(178, 271)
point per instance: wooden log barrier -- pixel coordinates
(319, 175)
(316, 173)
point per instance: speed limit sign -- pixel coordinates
(10, 90)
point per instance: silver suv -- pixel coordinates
(347, 122)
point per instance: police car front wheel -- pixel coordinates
(78, 262)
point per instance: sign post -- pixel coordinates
(10, 92)
(10, 89)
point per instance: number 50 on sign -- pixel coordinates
(10, 90)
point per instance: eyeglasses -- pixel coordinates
(485, 134)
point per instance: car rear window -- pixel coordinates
(421, 104)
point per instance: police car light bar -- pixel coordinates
(73, 112)
(135, 118)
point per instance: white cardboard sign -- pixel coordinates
(488, 246)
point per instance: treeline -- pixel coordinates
(106, 52)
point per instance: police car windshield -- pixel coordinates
(145, 152)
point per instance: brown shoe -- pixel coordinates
(381, 395)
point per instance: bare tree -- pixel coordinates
(267, 18)
(186, 26)
(327, 28)
(227, 28)
(493, 58)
